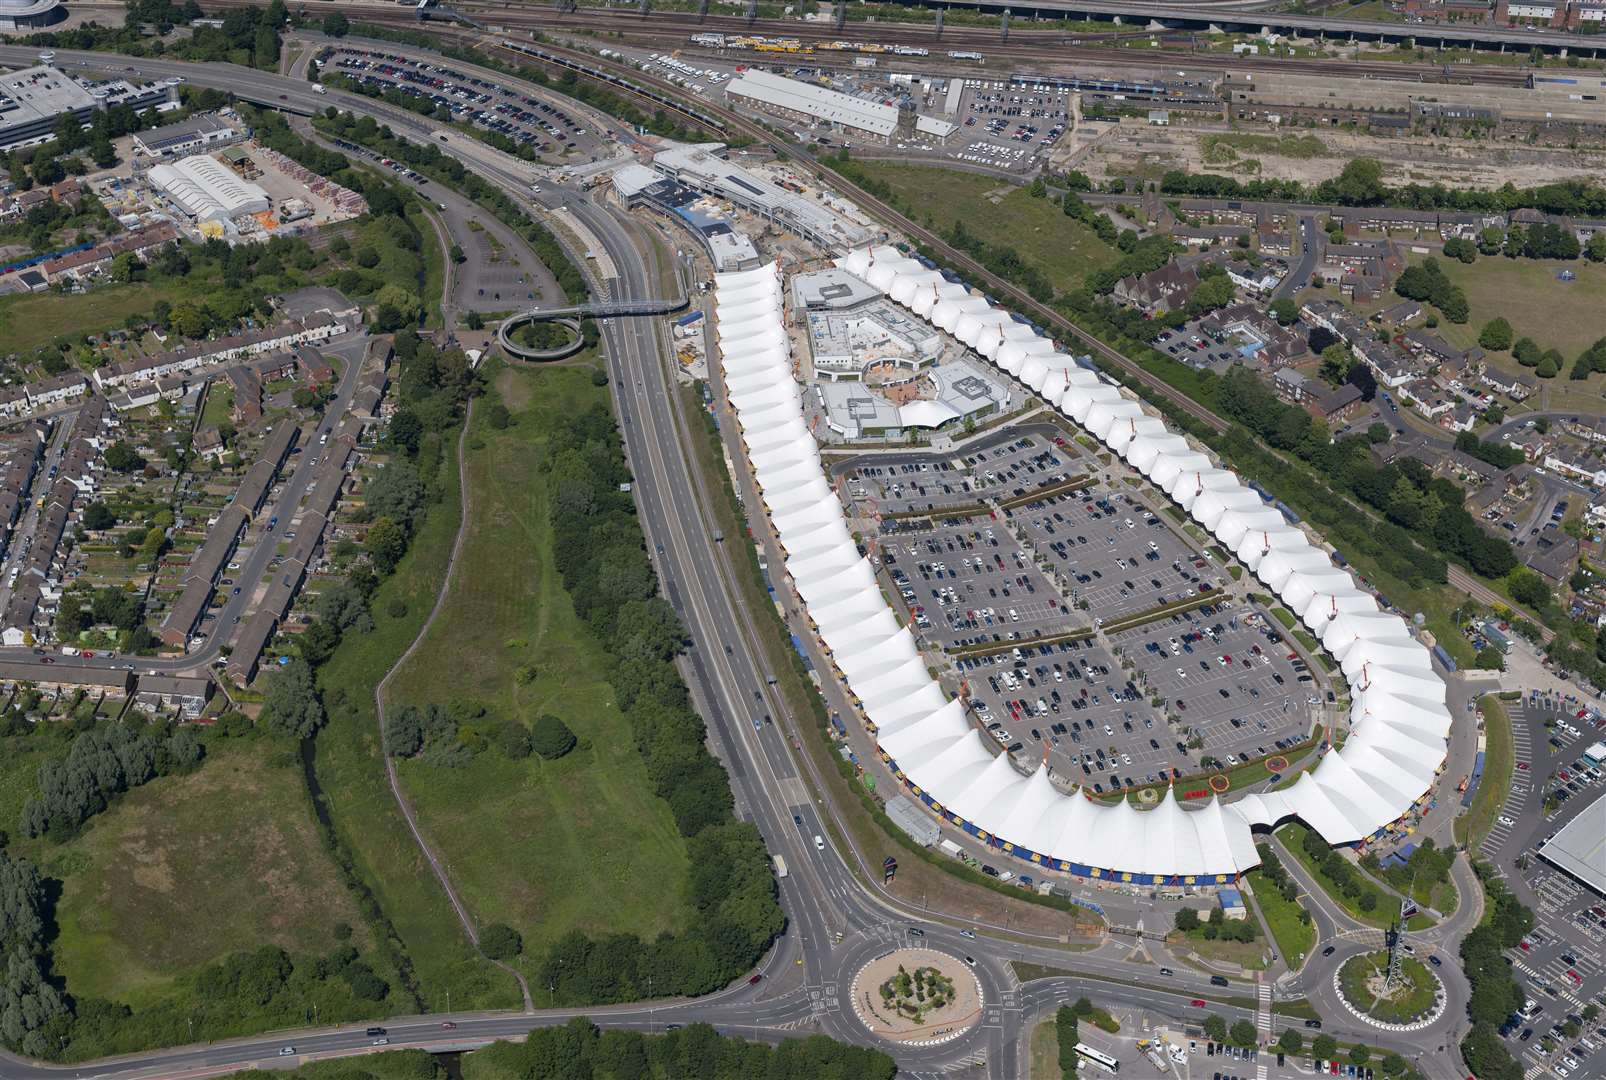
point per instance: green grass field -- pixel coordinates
(1472, 826)
(545, 846)
(187, 869)
(352, 772)
(1045, 1051)
(1412, 998)
(1063, 249)
(1294, 938)
(1556, 314)
(20, 758)
(29, 320)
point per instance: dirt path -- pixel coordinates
(402, 804)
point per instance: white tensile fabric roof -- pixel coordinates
(1397, 742)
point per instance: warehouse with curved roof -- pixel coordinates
(206, 190)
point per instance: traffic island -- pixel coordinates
(917, 997)
(1414, 998)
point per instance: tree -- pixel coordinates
(1460, 248)
(1528, 588)
(1527, 352)
(1490, 658)
(1336, 362)
(386, 543)
(1496, 334)
(551, 737)
(1284, 310)
(1595, 250)
(123, 458)
(1378, 433)
(1361, 183)
(1215, 1027)
(1290, 1041)
(1324, 1047)
(97, 516)
(500, 941)
(1187, 919)
(497, 416)
(1242, 1033)
(396, 493)
(292, 706)
(336, 25)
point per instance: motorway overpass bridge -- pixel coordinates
(1202, 15)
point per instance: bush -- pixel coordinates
(500, 941)
(551, 737)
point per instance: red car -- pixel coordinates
(87, 655)
(755, 980)
(1197, 1003)
(1522, 766)
(449, 1026)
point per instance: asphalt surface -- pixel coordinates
(836, 921)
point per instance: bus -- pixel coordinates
(1098, 1057)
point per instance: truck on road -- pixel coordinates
(780, 867)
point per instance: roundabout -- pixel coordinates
(1414, 998)
(917, 997)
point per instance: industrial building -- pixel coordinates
(186, 136)
(208, 191)
(728, 247)
(701, 169)
(32, 99)
(940, 396)
(1579, 849)
(793, 99)
(844, 343)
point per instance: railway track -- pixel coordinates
(1026, 45)
(1023, 45)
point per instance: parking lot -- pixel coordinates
(1562, 962)
(1012, 555)
(1009, 125)
(968, 582)
(545, 130)
(1110, 551)
(1228, 676)
(1010, 465)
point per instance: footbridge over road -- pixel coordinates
(570, 317)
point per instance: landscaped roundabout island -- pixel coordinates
(917, 996)
(1412, 997)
